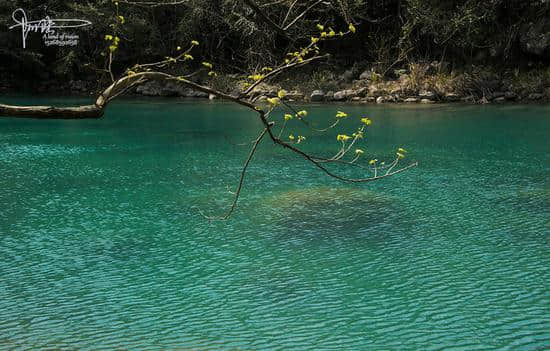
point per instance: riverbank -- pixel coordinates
(421, 83)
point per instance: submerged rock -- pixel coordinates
(323, 211)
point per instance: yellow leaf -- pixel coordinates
(343, 137)
(366, 121)
(273, 101)
(341, 114)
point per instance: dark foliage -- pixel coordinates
(390, 33)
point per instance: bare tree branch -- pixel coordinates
(266, 18)
(297, 18)
(153, 71)
(237, 193)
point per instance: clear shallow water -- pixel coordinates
(101, 246)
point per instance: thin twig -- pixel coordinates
(241, 181)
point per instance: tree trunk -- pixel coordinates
(50, 112)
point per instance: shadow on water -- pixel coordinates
(333, 214)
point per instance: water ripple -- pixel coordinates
(100, 248)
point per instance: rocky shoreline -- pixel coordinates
(419, 84)
(406, 87)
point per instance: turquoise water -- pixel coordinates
(102, 248)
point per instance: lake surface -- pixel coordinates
(102, 246)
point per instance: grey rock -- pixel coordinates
(172, 89)
(376, 91)
(452, 97)
(370, 75)
(329, 96)
(500, 99)
(294, 95)
(366, 75)
(348, 75)
(317, 95)
(344, 95)
(535, 96)
(396, 98)
(152, 88)
(361, 91)
(497, 94)
(427, 101)
(411, 100)
(194, 93)
(510, 95)
(212, 97)
(356, 99)
(380, 100)
(395, 91)
(425, 94)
